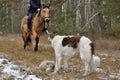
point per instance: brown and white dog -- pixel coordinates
(66, 46)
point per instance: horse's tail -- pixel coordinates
(29, 40)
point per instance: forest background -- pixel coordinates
(96, 18)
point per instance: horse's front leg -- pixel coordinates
(24, 39)
(36, 45)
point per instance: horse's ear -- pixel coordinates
(48, 6)
(42, 6)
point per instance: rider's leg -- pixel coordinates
(29, 22)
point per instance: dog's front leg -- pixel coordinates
(58, 64)
(65, 59)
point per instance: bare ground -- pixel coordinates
(11, 45)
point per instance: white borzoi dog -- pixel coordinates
(66, 46)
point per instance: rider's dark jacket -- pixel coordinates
(34, 5)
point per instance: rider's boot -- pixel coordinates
(29, 26)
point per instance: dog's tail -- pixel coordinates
(95, 60)
(92, 48)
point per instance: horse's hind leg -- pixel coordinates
(25, 44)
(24, 41)
(37, 41)
(27, 40)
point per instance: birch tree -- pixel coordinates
(78, 15)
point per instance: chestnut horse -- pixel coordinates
(38, 26)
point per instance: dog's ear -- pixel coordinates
(52, 35)
(48, 6)
(54, 32)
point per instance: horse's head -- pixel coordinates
(45, 12)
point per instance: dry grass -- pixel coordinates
(107, 44)
(12, 46)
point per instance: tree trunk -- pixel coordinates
(100, 19)
(12, 20)
(82, 10)
(78, 15)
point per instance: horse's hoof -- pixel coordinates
(35, 49)
(24, 46)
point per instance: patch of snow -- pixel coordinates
(12, 39)
(104, 54)
(103, 58)
(115, 75)
(9, 69)
(32, 77)
(99, 70)
(113, 59)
